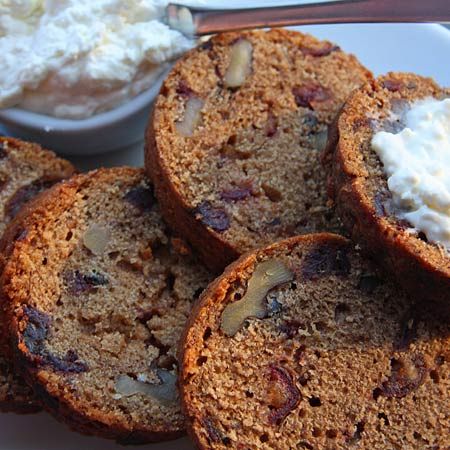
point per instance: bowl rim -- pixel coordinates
(18, 117)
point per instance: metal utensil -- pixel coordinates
(199, 21)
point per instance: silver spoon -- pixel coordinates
(199, 21)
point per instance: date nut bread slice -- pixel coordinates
(360, 188)
(25, 170)
(99, 294)
(233, 147)
(302, 345)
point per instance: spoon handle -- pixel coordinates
(199, 21)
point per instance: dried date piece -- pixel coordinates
(141, 197)
(184, 89)
(213, 433)
(212, 216)
(237, 193)
(392, 85)
(84, 283)
(407, 374)
(283, 395)
(35, 336)
(25, 194)
(310, 93)
(271, 125)
(318, 52)
(324, 260)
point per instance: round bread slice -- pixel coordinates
(99, 293)
(301, 345)
(234, 143)
(25, 170)
(359, 185)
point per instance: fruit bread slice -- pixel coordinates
(360, 188)
(25, 170)
(301, 345)
(99, 293)
(237, 130)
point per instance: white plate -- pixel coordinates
(417, 48)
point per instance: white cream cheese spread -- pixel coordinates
(417, 163)
(75, 58)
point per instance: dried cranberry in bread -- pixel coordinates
(302, 345)
(25, 170)
(359, 185)
(233, 147)
(99, 295)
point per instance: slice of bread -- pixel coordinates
(359, 186)
(25, 170)
(99, 293)
(233, 146)
(302, 345)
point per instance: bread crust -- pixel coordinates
(15, 395)
(420, 267)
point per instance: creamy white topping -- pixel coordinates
(74, 58)
(417, 163)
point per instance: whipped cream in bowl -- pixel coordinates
(416, 161)
(70, 67)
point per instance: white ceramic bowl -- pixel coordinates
(102, 133)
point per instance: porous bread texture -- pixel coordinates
(250, 173)
(358, 185)
(25, 170)
(340, 361)
(99, 293)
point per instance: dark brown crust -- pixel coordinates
(211, 300)
(20, 400)
(97, 425)
(419, 267)
(211, 246)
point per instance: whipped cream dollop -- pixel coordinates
(417, 163)
(75, 58)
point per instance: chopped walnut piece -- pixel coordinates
(165, 392)
(96, 238)
(240, 64)
(266, 276)
(407, 374)
(192, 117)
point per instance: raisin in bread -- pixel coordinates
(25, 170)
(359, 185)
(301, 345)
(99, 293)
(233, 146)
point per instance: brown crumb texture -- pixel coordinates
(340, 360)
(99, 296)
(358, 185)
(236, 162)
(26, 169)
